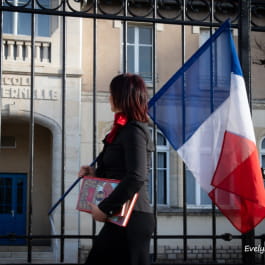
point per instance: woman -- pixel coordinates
(125, 156)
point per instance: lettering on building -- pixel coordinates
(18, 87)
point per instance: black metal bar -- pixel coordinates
(1, 67)
(258, 29)
(122, 18)
(154, 195)
(214, 237)
(185, 226)
(184, 186)
(225, 237)
(155, 239)
(262, 241)
(62, 221)
(197, 263)
(31, 136)
(94, 99)
(124, 37)
(244, 44)
(244, 56)
(212, 109)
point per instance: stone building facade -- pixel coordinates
(63, 106)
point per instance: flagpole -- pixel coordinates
(68, 190)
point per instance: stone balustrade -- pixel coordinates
(18, 49)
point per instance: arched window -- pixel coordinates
(162, 156)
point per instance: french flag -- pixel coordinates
(204, 113)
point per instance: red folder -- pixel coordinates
(94, 190)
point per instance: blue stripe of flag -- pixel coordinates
(197, 89)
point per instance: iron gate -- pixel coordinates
(246, 16)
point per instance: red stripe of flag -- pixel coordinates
(239, 189)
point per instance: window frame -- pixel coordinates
(198, 193)
(16, 24)
(137, 45)
(160, 149)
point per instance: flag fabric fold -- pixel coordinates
(204, 113)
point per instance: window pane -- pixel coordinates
(204, 36)
(145, 35)
(161, 187)
(205, 198)
(150, 185)
(263, 144)
(20, 196)
(263, 161)
(24, 24)
(130, 35)
(5, 195)
(161, 160)
(145, 63)
(161, 140)
(43, 22)
(20, 23)
(21, 2)
(190, 182)
(162, 171)
(8, 22)
(43, 29)
(130, 59)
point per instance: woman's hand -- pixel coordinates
(97, 214)
(86, 171)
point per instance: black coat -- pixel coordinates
(127, 158)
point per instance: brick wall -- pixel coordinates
(195, 255)
(200, 254)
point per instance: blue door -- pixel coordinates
(12, 207)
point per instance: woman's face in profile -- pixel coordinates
(112, 106)
(111, 103)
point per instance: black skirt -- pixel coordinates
(128, 245)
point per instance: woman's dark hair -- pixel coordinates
(129, 94)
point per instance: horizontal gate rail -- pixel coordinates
(257, 11)
(225, 237)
